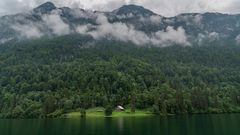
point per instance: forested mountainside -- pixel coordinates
(50, 76)
(57, 60)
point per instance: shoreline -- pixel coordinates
(122, 116)
(100, 113)
(93, 112)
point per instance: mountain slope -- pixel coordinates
(193, 29)
(48, 77)
(134, 10)
(53, 61)
(45, 8)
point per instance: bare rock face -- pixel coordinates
(45, 8)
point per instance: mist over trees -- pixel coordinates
(128, 23)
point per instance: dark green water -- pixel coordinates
(223, 124)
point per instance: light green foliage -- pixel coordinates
(100, 112)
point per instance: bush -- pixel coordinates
(108, 110)
(55, 114)
(155, 110)
(82, 112)
(17, 112)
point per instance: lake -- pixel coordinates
(215, 124)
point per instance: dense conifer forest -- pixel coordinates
(51, 76)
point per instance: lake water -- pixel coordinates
(219, 124)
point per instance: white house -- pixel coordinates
(120, 108)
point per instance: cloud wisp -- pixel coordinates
(28, 31)
(51, 24)
(127, 33)
(238, 39)
(56, 24)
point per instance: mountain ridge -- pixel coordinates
(45, 8)
(134, 9)
(195, 28)
(53, 6)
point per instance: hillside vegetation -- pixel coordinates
(49, 77)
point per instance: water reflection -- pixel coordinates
(120, 125)
(224, 124)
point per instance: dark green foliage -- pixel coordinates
(155, 109)
(82, 112)
(41, 77)
(108, 110)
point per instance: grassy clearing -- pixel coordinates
(99, 112)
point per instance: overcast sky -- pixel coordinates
(162, 7)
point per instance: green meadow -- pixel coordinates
(99, 112)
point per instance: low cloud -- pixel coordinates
(213, 36)
(51, 24)
(154, 19)
(87, 14)
(191, 19)
(56, 24)
(127, 33)
(28, 31)
(4, 40)
(172, 36)
(209, 37)
(238, 39)
(118, 31)
(198, 19)
(127, 16)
